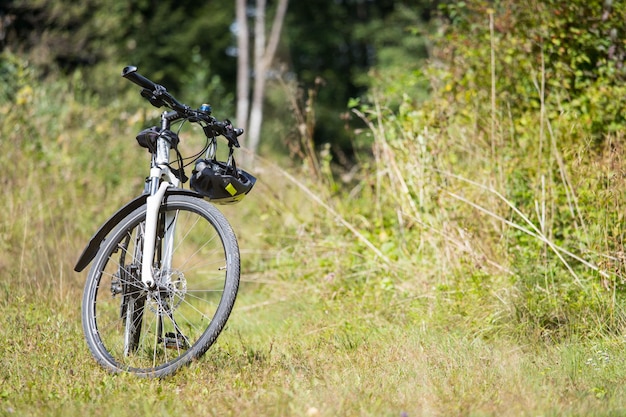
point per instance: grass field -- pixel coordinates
(298, 351)
(312, 334)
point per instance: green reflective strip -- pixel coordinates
(231, 189)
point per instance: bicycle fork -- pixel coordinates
(153, 203)
(160, 168)
(166, 229)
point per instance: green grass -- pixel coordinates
(310, 337)
(296, 351)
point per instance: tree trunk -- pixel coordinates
(263, 57)
(243, 67)
(260, 72)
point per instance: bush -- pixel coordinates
(509, 170)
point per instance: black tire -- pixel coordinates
(130, 328)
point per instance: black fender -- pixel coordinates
(93, 246)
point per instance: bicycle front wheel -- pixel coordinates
(155, 331)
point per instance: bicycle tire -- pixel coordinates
(176, 322)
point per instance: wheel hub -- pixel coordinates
(169, 291)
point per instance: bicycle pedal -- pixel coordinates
(175, 341)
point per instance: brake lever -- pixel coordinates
(155, 100)
(225, 129)
(231, 133)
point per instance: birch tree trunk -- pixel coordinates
(263, 57)
(260, 73)
(243, 67)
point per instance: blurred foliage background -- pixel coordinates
(190, 47)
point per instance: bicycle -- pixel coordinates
(165, 271)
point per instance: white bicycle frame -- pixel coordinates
(161, 178)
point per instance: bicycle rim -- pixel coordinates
(153, 332)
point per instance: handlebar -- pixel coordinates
(131, 74)
(158, 97)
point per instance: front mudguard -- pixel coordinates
(93, 246)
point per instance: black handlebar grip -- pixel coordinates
(131, 74)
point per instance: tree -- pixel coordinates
(264, 53)
(243, 63)
(53, 35)
(178, 43)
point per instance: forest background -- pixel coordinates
(436, 227)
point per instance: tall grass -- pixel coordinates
(537, 253)
(64, 162)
